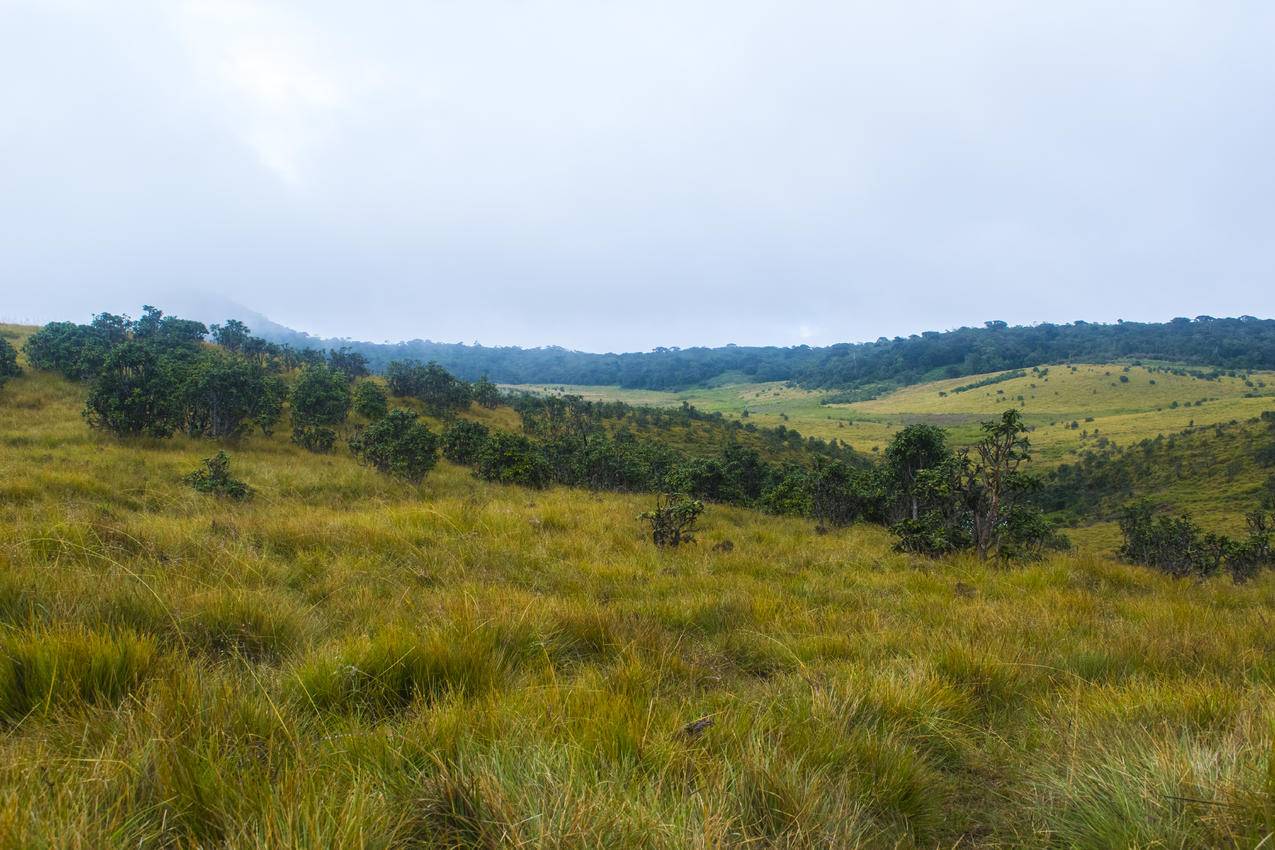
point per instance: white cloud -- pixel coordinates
(284, 87)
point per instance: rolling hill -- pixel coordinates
(351, 661)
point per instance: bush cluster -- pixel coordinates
(1178, 546)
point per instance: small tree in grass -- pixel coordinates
(397, 445)
(214, 478)
(370, 401)
(485, 392)
(463, 440)
(673, 520)
(8, 361)
(320, 400)
(135, 392)
(512, 459)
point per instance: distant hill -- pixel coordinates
(857, 369)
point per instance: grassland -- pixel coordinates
(1147, 403)
(347, 661)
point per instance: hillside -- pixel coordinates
(349, 661)
(1118, 403)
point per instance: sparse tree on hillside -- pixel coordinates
(485, 392)
(913, 449)
(233, 335)
(398, 445)
(9, 367)
(223, 393)
(135, 392)
(991, 483)
(370, 401)
(320, 399)
(348, 362)
(463, 441)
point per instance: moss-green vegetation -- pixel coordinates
(352, 660)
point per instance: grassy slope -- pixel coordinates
(351, 662)
(1123, 412)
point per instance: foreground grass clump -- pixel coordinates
(42, 672)
(349, 660)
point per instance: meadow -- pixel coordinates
(1148, 402)
(350, 661)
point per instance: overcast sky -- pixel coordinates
(621, 174)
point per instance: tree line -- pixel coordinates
(859, 368)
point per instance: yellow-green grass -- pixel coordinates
(1121, 411)
(347, 661)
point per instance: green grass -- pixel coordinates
(349, 661)
(1090, 394)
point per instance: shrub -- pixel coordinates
(321, 397)
(314, 438)
(440, 391)
(463, 440)
(1178, 546)
(512, 459)
(348, 362)
(222, 394)
(77, 351)
(789, 494)
(397, 445)
(8, 361)
(214, 478)
(673, 519)
(834, 494)
(370, 401)
(136, 392)
(485, 392)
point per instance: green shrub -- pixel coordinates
(398, 445)
(137, 391)
(214, 478)
(222, 394)
(370, 401)
(76, 351)
(321, 397)
(463, 440)
(8, 361)
(673, 519)
(512, 459)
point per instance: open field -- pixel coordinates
(1092, 395)
(347, 661)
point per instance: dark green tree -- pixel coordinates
(9, 367)
(348, 362)
(512, 459)
(233, 335)
(485, 392)
(223, 394)
(320, 397)
(77, 351)
(397, 444)
(135, 392)
(463, 441)
(913, 449)
(370, 400)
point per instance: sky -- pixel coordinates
(623, 174)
